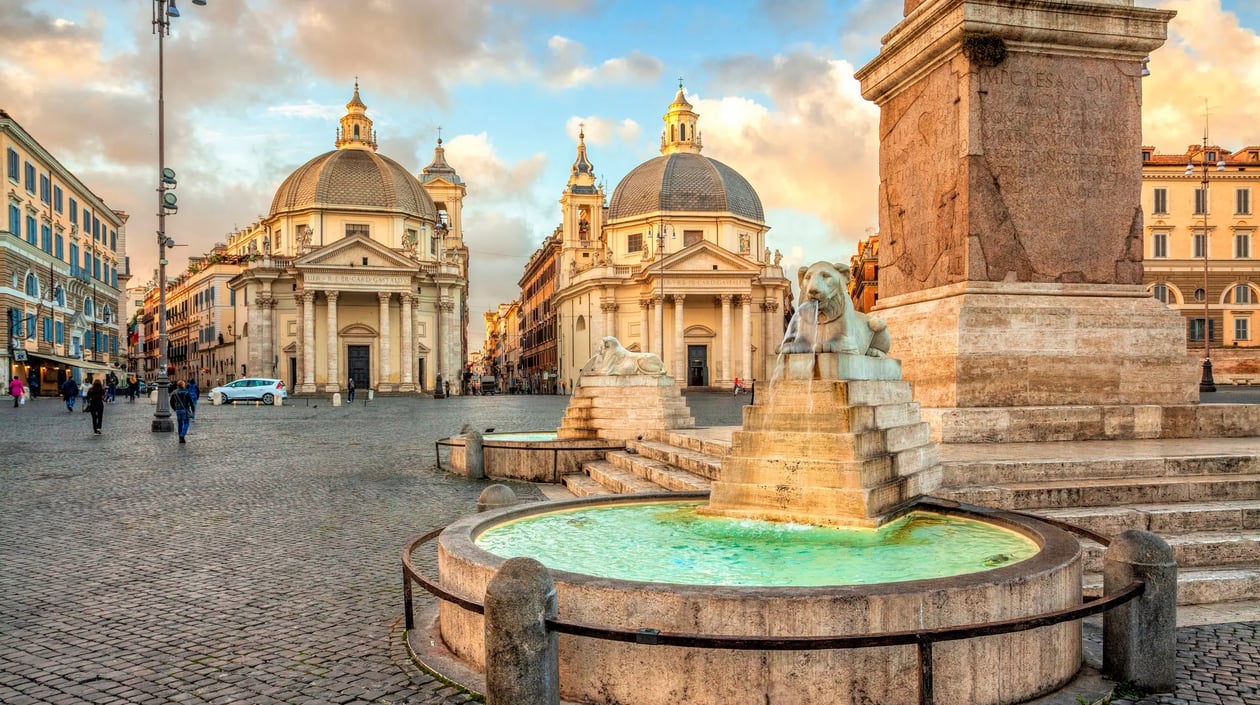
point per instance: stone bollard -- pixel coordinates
(152, 397)
(216, 398)
(371, 394)
(1140, 636)
(474, 456)
(522, 657)
(336, 400)
(495, 497)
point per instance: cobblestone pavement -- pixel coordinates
(259, 563)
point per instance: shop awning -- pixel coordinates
(85, 365)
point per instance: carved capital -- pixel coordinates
(744, 299)
(264, 301)
(332, 296)
(446, 305)
(770, 306)
(308, 296)
(406, 298)
(608, 307)
(384, 297)
(725, 299)
(678, 298)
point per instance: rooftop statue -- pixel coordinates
(825, 320)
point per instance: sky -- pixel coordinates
(254, 89)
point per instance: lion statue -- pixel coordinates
(613, 359)
(825, 320)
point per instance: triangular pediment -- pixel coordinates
(704, 256)
(350, 251)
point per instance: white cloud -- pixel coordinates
(309, 110)
(602, 131)
(565, 67)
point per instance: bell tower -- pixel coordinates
(583, 205)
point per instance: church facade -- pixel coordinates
(675, 264)
(359, 271)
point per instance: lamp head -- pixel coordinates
(199, 2)
(1220, 165)
(171, 10)
(1146, 71)
(1190, 169)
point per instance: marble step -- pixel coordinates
(617, 480)
(706, 466)
(1205, 585)
(1109, 491)
(1162, 519)
(671, 478)
(582, 486)
(961, 473)
(1198, 549)
(715, 447)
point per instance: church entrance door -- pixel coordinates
(359, 363)
(697, 365)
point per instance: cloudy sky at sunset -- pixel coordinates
(254, 89)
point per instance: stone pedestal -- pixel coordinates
(620, 407)
(827, 451)
(1010, 206)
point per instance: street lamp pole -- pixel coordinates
(1206, 382)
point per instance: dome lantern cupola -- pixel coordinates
(438, 168)
(680, 134)
(356, 127)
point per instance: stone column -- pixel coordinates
(254, 320)
(771, 321)
(439, 334)
(725, 374)
(308, 342)
(334, 370)
(658, 318)
(680, 349)
(745, 303)
(267, 341)
(383, 383)
(644, 339)
(407, 345)
(449, 344)
(610, 318)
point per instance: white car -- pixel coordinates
(251, 388)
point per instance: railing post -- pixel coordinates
(926, 696)
(408, 617)
(437, 453)
(522, 656)
(1140, 636)
(474, 456)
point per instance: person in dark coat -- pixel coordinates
(96, 405)
(70, 392)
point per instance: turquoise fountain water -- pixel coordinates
(668, 542)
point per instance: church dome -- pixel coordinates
(353, 178)
(685, 181)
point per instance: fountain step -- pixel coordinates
(1109, 491)
(714, 442)
(830, 418)
(582, 486)
(1206, 585)
(617, 480)
(981, 472)
(670, 478)
(702, 464)
(1163, 519)
(1197, 549)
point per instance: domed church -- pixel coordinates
(676, 264)
(359, 271)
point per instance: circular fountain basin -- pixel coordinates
(1037, 571)
(531, 456)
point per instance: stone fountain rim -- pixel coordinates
(1056, 547)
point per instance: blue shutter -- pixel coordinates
(31, 236)
(74, 210)
(48, 333)
(57, 198)
(45, 238)
(15, 170)
(30, 327)
(59, 245)
(15, 220)
(61, 333)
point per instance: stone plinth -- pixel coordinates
(827, 451)
(620, 407)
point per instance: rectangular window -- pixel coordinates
(57, 198)
(87, 221)
(74, 259)
(1242, 329)
(1242, 245)
(30, 177)
(48, 329)
(59, 246)
(1196, 329)
(74, 210)
(634, 243)
(113, 240)
(30, 327)
(1242, 201)
(1161, 201)
(1199, 245)
(358, 229)
(15, 166)
(231, 297)
(96, 267)
(45, 188)
(61, 333)
(96, 229)
(45, 239)
(1200, 203)
(15, 220)
(1159, 245)
(691, 237)
(32, 235)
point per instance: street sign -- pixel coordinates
(19, 356)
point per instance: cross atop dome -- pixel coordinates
(356, 127)
(680, 133)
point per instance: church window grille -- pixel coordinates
(358, 229)
(634, 243)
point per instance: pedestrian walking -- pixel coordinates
(70, 392)
(350, 389)
(738, 388)
(184, 407)
(96, 405)
(111, 387)
(32, 385)
(18, 390)
(133, 388)
(194, 391)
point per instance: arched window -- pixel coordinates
(1242, 294)
(88, 307)
(581, 323)
(61, 296)
(682, 131)
(356, 132)
(32, 284)
(1160, 292)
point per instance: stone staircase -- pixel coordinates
(1200, 495)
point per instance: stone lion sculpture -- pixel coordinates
(613, 359)
(825, 320)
